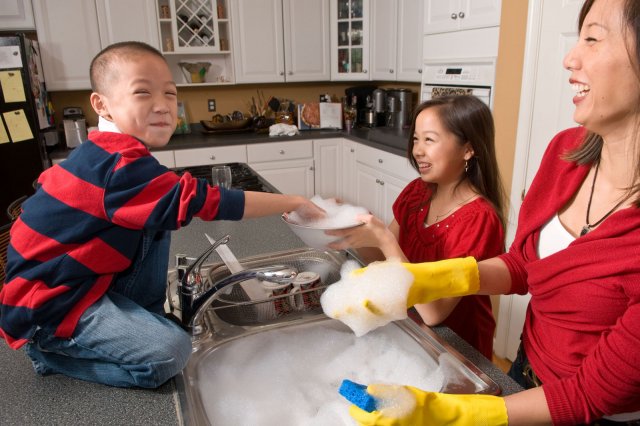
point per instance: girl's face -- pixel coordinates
(602, 73)
(141, 100)
(438, 152)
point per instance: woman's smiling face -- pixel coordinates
(440, 155)
(603, 73)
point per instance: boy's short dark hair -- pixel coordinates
(102, 62)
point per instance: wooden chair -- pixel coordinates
(15, 208)
(4, 243)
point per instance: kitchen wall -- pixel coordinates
(237, 97)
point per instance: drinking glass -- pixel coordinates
(221, 176)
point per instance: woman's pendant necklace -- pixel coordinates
(443, 215)
(588, 227)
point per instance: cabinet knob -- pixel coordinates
(281, 72)
(390, 71)
(352, 150)
(381, 183)
(380, 160)
(364, 71)
(461, 15)
(282, 152)
(212, 157)
(290, 73)
(454, 16)
(420, 71)
(377, 180)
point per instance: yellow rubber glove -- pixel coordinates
(409, 406)
(446, 278)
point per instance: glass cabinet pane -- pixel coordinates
(356, 33)
(343, 34)
(356, 8)
(343, 9)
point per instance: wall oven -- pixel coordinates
(471, 76)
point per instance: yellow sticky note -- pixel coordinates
(4, 137)
(12, 87)
(18, 125)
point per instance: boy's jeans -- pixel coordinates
(123, 339)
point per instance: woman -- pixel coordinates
(454, 209)
(576, 251)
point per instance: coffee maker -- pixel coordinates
(75, 126)
(363, 97)
(399, 105)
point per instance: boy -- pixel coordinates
(88, 258)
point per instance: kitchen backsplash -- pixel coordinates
(228, 98)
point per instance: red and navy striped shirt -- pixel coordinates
(84, 224)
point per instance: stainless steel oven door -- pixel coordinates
(435, 91)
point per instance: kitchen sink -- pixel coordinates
(262, 366)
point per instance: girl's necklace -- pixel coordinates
(443, 215)
(588, 227)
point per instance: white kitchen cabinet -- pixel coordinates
(281, 40)
(454, 15)
(288, 166)
(210, 155)
(165, 158)
(327, 155)
(348, 165)
(67, 49)
(396, 40)
(16, 15)
(192, 33)
(379, 178)
(350, 42)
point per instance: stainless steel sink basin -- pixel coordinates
(223, 352)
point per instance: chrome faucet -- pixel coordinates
(194, 300)
(193, 314)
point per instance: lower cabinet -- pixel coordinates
(288, 166)
(379, 178)
(327, 155)
(210, 155)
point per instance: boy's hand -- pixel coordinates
(309, 211)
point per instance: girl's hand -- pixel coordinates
(372, 233)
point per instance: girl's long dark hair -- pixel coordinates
(470, 120)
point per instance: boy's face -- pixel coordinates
(140, 97)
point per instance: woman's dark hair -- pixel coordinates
(470, 120)
(589, 150)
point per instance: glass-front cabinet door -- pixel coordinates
(350, 39)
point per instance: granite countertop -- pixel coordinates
(387, 139)
(28, 399)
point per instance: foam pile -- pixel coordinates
(338, 215)
(370, 298)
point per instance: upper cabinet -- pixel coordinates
(350, 40)
(453, 15)
(16, 15)
(396, 40)
(66, 55)
(280, 40)
(195, 39)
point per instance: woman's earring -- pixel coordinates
(466, 166)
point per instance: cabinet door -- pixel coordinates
(367, 189)
(257, 41)
(409, 58)
(441, 16)
(384, 39)
(327, 156)
(306, 40)
(350, 39)
(349, 171)
(289, 177)
(69, 39)
(16, 15)
(124, 20)
(390, 188)
(480, 14)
